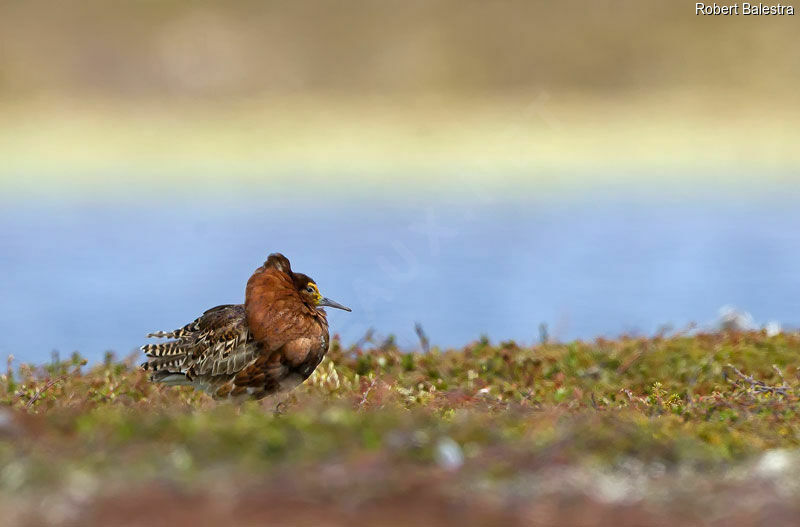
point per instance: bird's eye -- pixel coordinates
(310, 289)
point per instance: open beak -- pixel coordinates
(327, 302)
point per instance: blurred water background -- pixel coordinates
(469, 166)
(586, 268)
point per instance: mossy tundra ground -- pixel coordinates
(698, 429)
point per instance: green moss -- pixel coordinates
(673, 401)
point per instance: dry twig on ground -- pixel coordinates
(760, 386)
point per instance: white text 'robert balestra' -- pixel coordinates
(743, 9)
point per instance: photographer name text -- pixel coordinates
(743, 9)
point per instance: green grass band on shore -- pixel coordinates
(483, 423)
(63, 147)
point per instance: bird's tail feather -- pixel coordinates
(171, 362)
(174, 334)
(169, 378)
(165, 349)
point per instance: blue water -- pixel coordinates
(97, 276)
